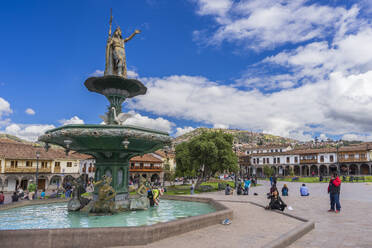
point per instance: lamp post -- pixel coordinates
(236, 174)
(338, 163)
(37, 172)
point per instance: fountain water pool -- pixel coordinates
(56, 215)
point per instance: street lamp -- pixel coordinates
(68, 143)
(338, 163)
(37, 172)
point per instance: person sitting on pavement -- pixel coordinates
(228, 190)
(304, 190)
(14, 197)
(240, 189)
(285, 190)
(275, 201)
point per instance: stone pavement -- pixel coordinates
(252, 226)
(350, 228)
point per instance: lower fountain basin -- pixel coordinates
(56, 215)
(93, 237)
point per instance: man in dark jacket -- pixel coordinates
(334, 193)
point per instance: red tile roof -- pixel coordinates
(146, 158)
(17, 150)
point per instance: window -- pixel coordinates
(151, 166)
(278, 160)
(141, 165)
(58, 164)
(362, 155)
(84, 170)
(274, 160)
(357, 156)
(281, 150)
(69, 164)
(322, 158)
(346, 156)
(132, 165)
(44, 164)
(13, 164)
(331, 158)
(288, 161)
(276, 150)
(296, 159)
(28, 163)
(351, 156)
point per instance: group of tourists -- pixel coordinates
(334, 187)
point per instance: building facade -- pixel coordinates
(347, 160)
(19, 163)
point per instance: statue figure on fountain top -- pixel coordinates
(115, 52)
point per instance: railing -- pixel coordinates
(145, 169)
(341, 159)
(26, 170)
(308, 161)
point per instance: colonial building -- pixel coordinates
(347, 160)
(19, 163)
(148, 166)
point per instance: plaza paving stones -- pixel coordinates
(249, 228)
(254, 227)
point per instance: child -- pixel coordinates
(285, 190)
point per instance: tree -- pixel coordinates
(268, 171)
(168, 174)
(205, 155)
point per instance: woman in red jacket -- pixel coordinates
(334, 193)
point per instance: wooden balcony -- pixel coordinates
(352, 160)
(145, 169)
(26, 170)
(57, 169)
(308, 161)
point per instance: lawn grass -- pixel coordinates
(185, 188)
(316, 179)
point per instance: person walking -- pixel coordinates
(192, 188)
(334, 188)
(247, 185)
(271, 181)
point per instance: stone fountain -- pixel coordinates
(113, 143)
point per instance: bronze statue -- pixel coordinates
(115, 52)
(106, 195)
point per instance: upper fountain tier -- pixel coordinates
(111, 85)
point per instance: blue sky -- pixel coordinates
(293, 68)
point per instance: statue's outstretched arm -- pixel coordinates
(132, 35)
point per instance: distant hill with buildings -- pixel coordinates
(242, 137)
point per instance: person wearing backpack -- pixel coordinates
(334, 188)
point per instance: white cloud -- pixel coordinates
(213, 7)
(222, 126)
(27, 132)
(147, 122)
(4, 107)
(331, 106)
(182, 130)
(97, 73)
(354, 137)
(100, 73)
(72, 120)
(269, 23)
(30, 111)
(132, 74)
